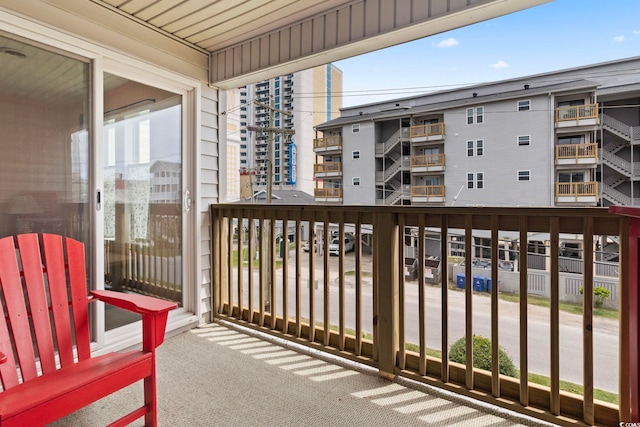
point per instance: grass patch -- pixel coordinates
(564, 306)
(245, 259)
(598, 394)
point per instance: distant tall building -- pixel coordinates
(312, 97)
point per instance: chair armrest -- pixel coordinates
(154, 313)
(136, 303)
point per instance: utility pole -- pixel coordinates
(266, 238)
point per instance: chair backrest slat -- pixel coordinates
(79, 302)
(37, 299)
(57, 279)
(9, 273)
(17, 312)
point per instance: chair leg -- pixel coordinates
(151, 417)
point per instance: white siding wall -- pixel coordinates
(364, 168)
(502, 158)
(209, 168)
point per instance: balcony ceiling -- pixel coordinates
(247, 38)
(237, 42)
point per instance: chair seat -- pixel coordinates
(43, 399)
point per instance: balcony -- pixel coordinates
(577, 115)
(328, 195)
(328, 145)
(360, 307)
(327, 169)
(577, 154)
(427, 163)
(427, 133)
(577, 192)
(427, 194)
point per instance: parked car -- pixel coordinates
(305, 246)
(349, 245)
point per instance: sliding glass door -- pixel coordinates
(142, 192)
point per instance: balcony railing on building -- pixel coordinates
(577, 115)
(428, 194)
(363, 305)
(427, 163)
(328, 194)
(576, 154)
(576, 192)
(327, 169)
(327, 144)
(428, 132)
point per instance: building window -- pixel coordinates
(356, 154)
(571, 139)
(355, 128)
(475, 148)
(475, 180)
(524, 175)
(524, 140)
(356, 180)
(475, 115)
(524, 105)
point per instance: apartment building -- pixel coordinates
(564, 138)
(308, 97)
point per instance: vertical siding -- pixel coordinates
(209, 175)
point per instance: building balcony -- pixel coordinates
(359, 307)
(327, 169)
(427, 194)
(577, 192)
(328, 195)
(427, 133)
(577, 154)
(577, 115)
(427, 163)
(328, 145)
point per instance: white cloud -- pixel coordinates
(636, 32)
(618, 39)
(500, 64)
(450, 42)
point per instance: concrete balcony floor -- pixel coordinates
(224, 375)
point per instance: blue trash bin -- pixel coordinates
(478, 283)
(460, 280)
(488, 282)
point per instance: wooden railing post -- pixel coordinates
(386, 286)
(629, 315)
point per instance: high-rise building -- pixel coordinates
(310, 97)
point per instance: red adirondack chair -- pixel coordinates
(46, 366)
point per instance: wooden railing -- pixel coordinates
(427, 130)
(577, 151)
(427, 190)
(327, 192)
(327, 167)
(328, 141)
(576, 189)
(577, 112)
(150, 267)
(360, 306)
(427, 160)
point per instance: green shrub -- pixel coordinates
(482, 355)
(600, 293)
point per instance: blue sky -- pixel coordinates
(553, 36)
